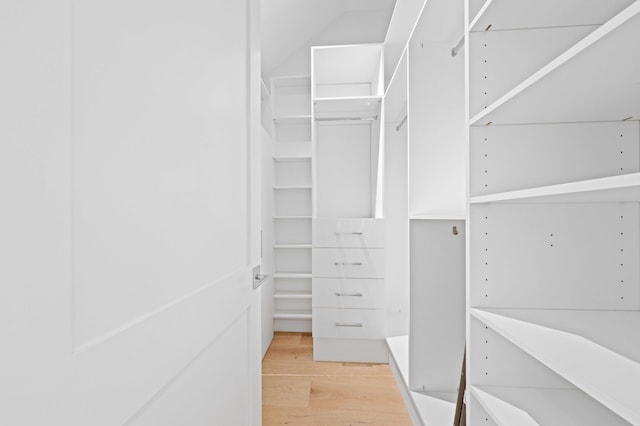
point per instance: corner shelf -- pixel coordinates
(573, 357)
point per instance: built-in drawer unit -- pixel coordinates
(355, 293)
(348, 232)
(348, 263)
(348, 323)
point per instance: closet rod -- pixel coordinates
(456, 49)
(375, 117)
(399, 126)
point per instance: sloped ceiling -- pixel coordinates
(289, 25)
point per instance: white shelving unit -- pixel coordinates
(348, 242)
(291, 106)
(554, 242)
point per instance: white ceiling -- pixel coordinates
(289, 25)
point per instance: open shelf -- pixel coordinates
(292, 246)
(292, 315)
(609, 189)
(563, 91)
(573, 357)
(291, 217)
(347, 107)
(502, 412)
(283, 275)
(277, 188)
(292, 80)
(292, 119)
(292, 295)
(532, 406)
(506, 14)
(290, 158)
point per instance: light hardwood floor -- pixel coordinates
(298, 391)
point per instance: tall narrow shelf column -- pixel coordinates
(554, 160)
(292, 192)
(348, 242)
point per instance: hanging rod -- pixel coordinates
(399, 126)
(456, 49)
(375, 117)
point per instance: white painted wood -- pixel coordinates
(436, 129)
(292, 246)
(348, 323)
(292, 275)
(293, 325)
(292, 261)
(293, 173)
(291, 315)
(343, 171)
(562, 256)
(573, 357)
(437, 326)
(348, 233)
(403, 21)
(348, 263)
(293, 202)
(395, 98)
(267, 266)
(508, 158)
(349, 107)
(504, 14)
(549, 406)
(503, 413)
(292, 96)
(348, 293)
(292, 295)
(125, 277)
(500, 60)
(350, 350)
(563, 90)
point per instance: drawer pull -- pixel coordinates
(349, 294)
(350, 233)
(349, 324)
(347, 263)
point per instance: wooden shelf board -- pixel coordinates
(577, 86)
(292, 315)
(502, 412)
(288, 275)
(292, 246)
(609, 189)
(505, 14)
(292, 158)
(292, 295)
(277, 188)
(573, 357)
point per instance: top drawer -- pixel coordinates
(348, 232)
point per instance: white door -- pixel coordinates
(126, 232)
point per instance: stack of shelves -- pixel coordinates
(292, 191)
(554, 286)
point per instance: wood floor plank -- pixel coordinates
(299, 391)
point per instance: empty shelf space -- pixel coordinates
(283, 187)
(292, 80)
(287, 275)
(505, 14)
(292, 246)
(573, 357)
(503, 413)
(432, 410)
(292, 315)
(292, 295)
(291, 217)
(347, 108)
(576, 87)
(292, 158)
(610, 189)
(292, 119)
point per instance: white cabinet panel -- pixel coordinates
(348, 293)
(348, 263)
(348, 323)
(348, 233)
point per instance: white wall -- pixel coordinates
(126, 287)
(354, 27)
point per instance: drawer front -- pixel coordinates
(348, 232)
(348, 293)
(348, 323)
(348, 263)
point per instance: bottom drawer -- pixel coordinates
(348, 323)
